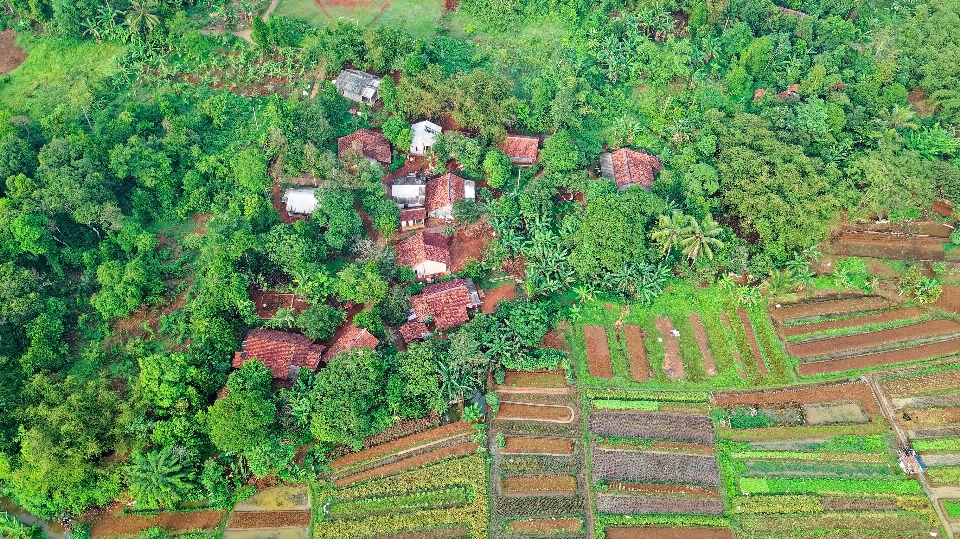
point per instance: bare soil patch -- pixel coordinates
(949, 299)
(458, 450)
(598, 352)
(555, 340)
(918, 384)
(469, 243)
(700, 333)
(539, 484)
(623, 532)
(268, 302)
(535, 412)
(846, 391)
(889, 246)
(666, 490)
(672, 365)
(878, 318)
(752, 337)
(637, 350)
(437, 533)
(117, 525)
(536, 379)
(874, 339)
(408, 442)
(545, 525)
(827, 308)
(11, 56)
(830, 413)
(490, 299)
(530, 445)
(890, 357)
(248, 520)
(943, 208)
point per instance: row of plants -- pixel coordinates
(819, 456)
(641, 394)
(764, 468)
(855, 330)
(604, 521)
(785, 503)
(781, 368)
(945, 475)
(403, 503)
(806, 431)
(621, 404)
(927, 380)
(950, 444)
(751, 485)
(889, 522)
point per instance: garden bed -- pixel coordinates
(435, 533)
(922, 383)
(846, 391)
(539, 485)
(247, 520)
(514, 411)
(703, 343)
(752, 338)
(624, 532)
(662, 489)
(519, 445)
(824, 309)
(536, 380)
(637, 350)
(879, 359)
(653, 425)
(895, 315)
(117, 526)
(598, 352)
(655, 467)
(889, 522)
(412, 462)
(672, 363)
(545, 526)
(875, 339)
(631, 504)
(407, 443)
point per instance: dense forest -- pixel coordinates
(136, 204)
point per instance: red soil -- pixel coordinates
(532, 412)
(268, 302)
(846, 391)
(890, 357)
(408, 442)
(672, 365)
(889, 246)
(863, 341)
(546, 525)
(598, 353)
(539, 484)
(490, 299)
(879, 318)
(429, 457)
(469, 243)
(752, 337)
(943, 208)
(555, 340)
(656, 488)
(536, 445)
(622, 532)
(11, 56)
(536, 379)
(247, 520)
(637, 350)
(828, 308)
(117, 525)
(700, 333)
(949, 299)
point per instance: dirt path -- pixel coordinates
(672, 365)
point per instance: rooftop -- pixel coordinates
(446, 303)
(371, 144)
(630, 167)
(421, 247)
(521, 147)
(446, 189)
(413, 330)
(279, 351)
(356, 82)
(353, 337)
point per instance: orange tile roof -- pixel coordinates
(413, 214)
(633, 167)
(421, 247)
(521, 148)
(444, 191)
(413, 330)
(446, 302)
(370, 143)
(279, 351)
(353, 337)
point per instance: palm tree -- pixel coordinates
(895, 120)
(159, 478)
(141, 15)
(700, 238)
(669, 228)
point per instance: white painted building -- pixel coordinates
(301, 201)
(423, 137)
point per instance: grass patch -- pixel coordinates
(614, 404)
(952, 507)
(779, 486)
(937, 444)
(419, 17)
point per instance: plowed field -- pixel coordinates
(539, 380)
(458, 450)
(412, 441)
(539, 446)
(875, 339)
(546, 525)
(652, 425)
(645, 467)
(752, 337)
(857, 391)
(631, 504)
(535, 412)
(879, 245)
(623, 532)
(890, 357)
(269, 519)
(672, 364)
(598, 352)
(703, 343)
(539, 484)
(824, 309)
(922, 383)
(878, 318)
(639, 367)
(115, 526)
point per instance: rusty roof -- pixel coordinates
(421, 247)
(413, 330)
(627, 167)
(445, 302)
(279, 351)
(444, 191)
(372, 144)
(353, 337)
(521, 147)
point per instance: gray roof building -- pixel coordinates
(358, 86)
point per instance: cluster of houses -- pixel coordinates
(441, 306)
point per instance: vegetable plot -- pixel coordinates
(653, 425)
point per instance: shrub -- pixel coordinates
(788, 503)
(743, 419)
(467, 211)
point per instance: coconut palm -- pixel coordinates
(700, 238)
(141, 15)
(159, 478)
(668, 231)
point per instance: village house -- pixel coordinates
(409, 191)
(522, 151)
(353, 337)
(372, 144)
(423, 136)
(300, 201)
(446, 305)
(358, 86)
(443, 191)
(413, 218)
(426, 253)
(283, 353)
(628, 167)
(413, 330)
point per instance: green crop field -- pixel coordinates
(420, 18)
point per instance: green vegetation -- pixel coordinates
(774, 486)
(953, 508)
(399, 504)
(936, 444)
(604, 404)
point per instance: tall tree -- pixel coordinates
(159, 478)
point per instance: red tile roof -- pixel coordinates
(421, 247)
(370, 143)
(413, 214)
(633, 167)
(521, 148)
(759, 93)
(790, 92)
(446, 302)
(444, 191)
(353, 337)
(413, 330)
(279, 351)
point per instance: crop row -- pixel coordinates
(946, 475)
(401, 444)
(889, 522)
(655, 467)
(786, 503)
(631, 504)
(820, 456)
(750, 485)
(603, 522)
(852, 443)
(407, 502)
(537, 505)
(674, 427)
(621, 404)
(951, 444)
(926, 381)
(642, 394)
(813, 469)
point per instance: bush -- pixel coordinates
(467, 211)
(742, 419)
(319, 322)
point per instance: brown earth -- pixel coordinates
(672, 364)
(679, 447)
(469, 243)
(536, 445)
(546, 525)
(248, 520)
(656, 488)
(458, 450)
(890, 357)
(598, 352)
(752, 337)
(637, 350)
(437, 533)
(888, 246)
(117, 525)
(922, 418)
(827, 308)
(878, 318)
(11, 56)
(490, 299)
(408, 442)
(555, 340)
(533, 412)
(864, 341)
(918, 98)
(268, 302)
(540, 380)
(921, 383)
(943, 208)
(623, 532)
(949, 299)
(846, 391)
(700, 333)
(539, 484)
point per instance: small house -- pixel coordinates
(628, 167)
(372, 144)
(409, 191)
(300, 201)
(283, 353)
(443, 191)
(413, 329)
(423, 137)
(353, 337)
(426, 253)
(413, 218)
(447, 303)
(522, 151)
(358, 86)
